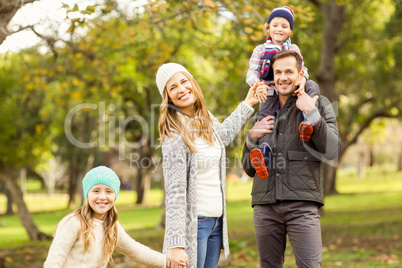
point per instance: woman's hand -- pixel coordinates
(176, 258)
(257, 93)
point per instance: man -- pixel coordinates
(286, 203)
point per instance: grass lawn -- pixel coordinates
(361, 226)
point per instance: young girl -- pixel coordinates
(88, 236)
(280, 29)
(194, 166)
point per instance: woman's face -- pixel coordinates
(180, 92)
(279, 30)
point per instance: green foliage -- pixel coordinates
(116, 60)
(364, 66)
(24, 134)
(367, 77)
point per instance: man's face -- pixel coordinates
(286, 75)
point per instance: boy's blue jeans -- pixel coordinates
(209, 239)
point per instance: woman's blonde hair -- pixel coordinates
(198, 125)
(85, 215)
(266, 26)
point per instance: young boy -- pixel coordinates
(279, 28)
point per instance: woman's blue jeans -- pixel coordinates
(209, 239)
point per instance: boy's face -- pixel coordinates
(279, 30)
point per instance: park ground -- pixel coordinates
(361, 226)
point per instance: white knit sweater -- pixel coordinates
(209, 193)
(67, 250)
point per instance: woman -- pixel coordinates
(194, 167)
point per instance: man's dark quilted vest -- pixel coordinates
(295, 174)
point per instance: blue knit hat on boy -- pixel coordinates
(285, 12)
(101, 175)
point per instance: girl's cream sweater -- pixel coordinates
(67, 250)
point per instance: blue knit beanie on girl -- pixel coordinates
(101, 175)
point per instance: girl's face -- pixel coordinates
(279, 30)
(101, 199)
(180, 92)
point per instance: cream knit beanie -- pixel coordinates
(165, 72)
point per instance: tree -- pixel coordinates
(8, 8)
(25, 136)
(348, 65)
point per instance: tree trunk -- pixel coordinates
(329, 179)
(80, 177)
(23, 174)
(143, 184)
(144, 174)
(371, 157)
(333, 19)
(333, 16)
(8, 8)
(32, 173)
(72, 183)
(23, 212)
(78, 167)
(362, 160)
(4, 21)
(9, 208)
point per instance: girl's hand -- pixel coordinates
(257, 93)
(300, 86)
(176, 258)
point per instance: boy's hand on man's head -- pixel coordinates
(300, 86)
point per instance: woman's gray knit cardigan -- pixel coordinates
(180, 175)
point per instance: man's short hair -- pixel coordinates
(286, 53)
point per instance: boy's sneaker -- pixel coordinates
(305, 129)
(258, 162)
(261, 159)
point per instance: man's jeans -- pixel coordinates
(209, 239)
(300, 220)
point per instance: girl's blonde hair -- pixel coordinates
(199, 125)
(266, 26)
(85, 215)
